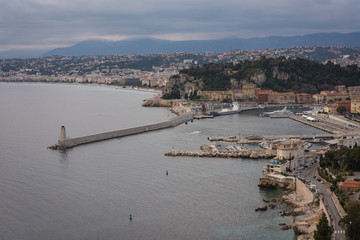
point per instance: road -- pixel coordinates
(308, 173)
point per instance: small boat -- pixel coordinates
(227, 111)
(307, 145)
(264, 145)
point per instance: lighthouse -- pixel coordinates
(63, 133)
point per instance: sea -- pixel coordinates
(89, 191)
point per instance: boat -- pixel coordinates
(283, 111)
(307, 145)
(227, 111)
(265, 145)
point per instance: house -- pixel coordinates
(263, 96)
(303, 98)
(281, 98)
(318, 98)
(216, 95)
(346, 104)
(355, 105)
(352, 186)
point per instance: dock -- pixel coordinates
(65, 142)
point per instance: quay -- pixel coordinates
(65, 142)
(258, 139)
(254, 154)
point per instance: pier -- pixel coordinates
(65, 142)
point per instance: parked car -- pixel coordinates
(357, 179)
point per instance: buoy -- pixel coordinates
(167, 173)
(130, 218)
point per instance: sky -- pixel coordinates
(48, 24)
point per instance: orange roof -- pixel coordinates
(350, 184)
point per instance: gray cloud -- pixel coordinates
(47, 23)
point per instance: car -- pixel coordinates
(357, 179)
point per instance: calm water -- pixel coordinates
(89, 191)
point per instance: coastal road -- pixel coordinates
(308, 173)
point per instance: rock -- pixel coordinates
(265, 200)
(286, 227)
(286, 213)
(301, 228)
(273, 200)
(262, 207)
(272, 206)
(282, 224)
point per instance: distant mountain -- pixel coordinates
(20, 54)
(148, 46)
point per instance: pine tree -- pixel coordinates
(351, 221)
(323, 230)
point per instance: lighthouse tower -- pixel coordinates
(63, 133)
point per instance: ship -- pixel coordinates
(227, 111)
(283, 111)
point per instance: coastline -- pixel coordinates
(150, 90)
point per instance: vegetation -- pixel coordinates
(351, 221)
(341, 109)
(297, 75)
(323, 230)
(344, 159)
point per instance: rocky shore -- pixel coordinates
(175, 106)
(305, 215)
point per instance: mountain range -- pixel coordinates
(148, 46)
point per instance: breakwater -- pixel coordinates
(65, 142)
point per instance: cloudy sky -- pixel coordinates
(47, 24)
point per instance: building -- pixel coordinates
(322, 114)
(249, 91)
(281, 98)
(346, 104)
(275, 167)
(303, 98)
(216, 95)
(330, 109)
(263, 96)
(349, 140)
(332, 96)
(352, 186)
(354, 94)
(293, 151)
(355, 105)
(238, 94)
(318, 98)
(340, 88)
(354, 89)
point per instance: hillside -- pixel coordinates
(280, 74)
(148, 46)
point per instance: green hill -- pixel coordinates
(280, 74)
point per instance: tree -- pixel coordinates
(351, 221)
(323, 230)
(341, 109)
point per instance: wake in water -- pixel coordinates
(195, 132)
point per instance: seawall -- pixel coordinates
(72, 142)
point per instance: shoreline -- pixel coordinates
(140, 89)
